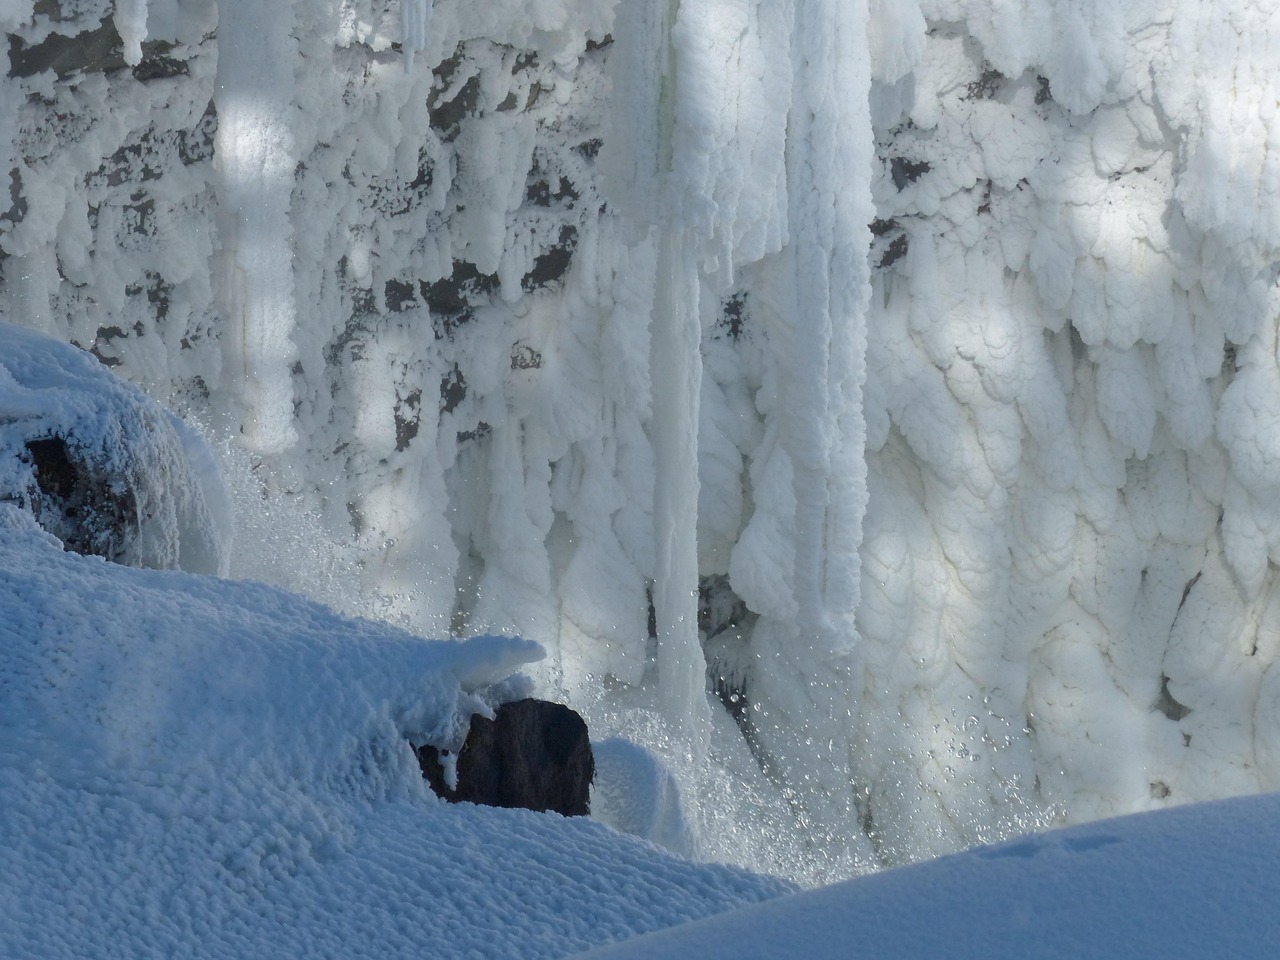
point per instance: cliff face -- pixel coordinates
(961, 313)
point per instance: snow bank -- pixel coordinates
(203, 768)
(1195, 882)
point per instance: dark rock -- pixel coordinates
(97, 50)
(904, 171)
(534, 754)
(896, 250)
(987, 85)
(726, 623)
(1168, 705)
(88, 510)
(453, 390)
(1043, 93)
(451, 299)
(552, 264)
(407, 412)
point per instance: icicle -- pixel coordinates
(254, 162)
(130, 19)
(677, 381)
(414, 16)
(638, 160)
(814, 294)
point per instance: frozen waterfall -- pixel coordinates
(876, 401)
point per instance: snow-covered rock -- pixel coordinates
(531, 754)
(102, 466)
(202, 768)
(636, 793)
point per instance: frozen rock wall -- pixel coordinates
(1068, 563)
(986, 390)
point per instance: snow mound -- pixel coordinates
(202, 768)
(636, 793)
(159, 487)
(1196, 881)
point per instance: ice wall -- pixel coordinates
(983, 520)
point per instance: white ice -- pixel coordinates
(993, 484)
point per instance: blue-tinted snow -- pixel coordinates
(1197, 881)
(193, 767)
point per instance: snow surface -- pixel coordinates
(195, 768)
(986, 494)
(1193, 882)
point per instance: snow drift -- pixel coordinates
(203, 768)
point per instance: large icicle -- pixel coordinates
(130, 20)
(254, 159)
(677, 382)
(676, 373)
(811, 482)
(642, 161)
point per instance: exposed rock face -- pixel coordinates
(88, 509)
(533, 754)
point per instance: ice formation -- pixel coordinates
(163, 504)
(985, 507)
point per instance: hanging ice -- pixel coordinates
(254, 159)
(130, 19)
(414, 17)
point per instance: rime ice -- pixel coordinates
(975, 306)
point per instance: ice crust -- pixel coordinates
(995, 479)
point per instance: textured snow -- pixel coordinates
(199, 768)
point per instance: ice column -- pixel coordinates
(814, 297)
(414, 16)
(130, 20)
(641, 157)
(829, 175)
(677, 380)
(676, 374)
(254, 159)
